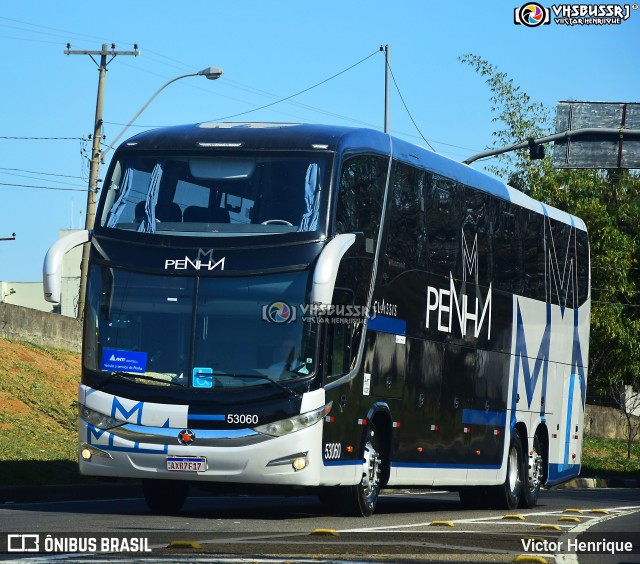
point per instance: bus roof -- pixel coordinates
(298, 136)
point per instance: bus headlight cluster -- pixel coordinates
(99, 420)
(293, 424)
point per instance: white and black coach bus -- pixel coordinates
(327, 309)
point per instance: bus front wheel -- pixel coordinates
(360, 500)
(508, 494)
(165, 496)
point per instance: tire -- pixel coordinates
(507, 495)
(360, 500)
(165, 497)
(532, 472)
(474, 497)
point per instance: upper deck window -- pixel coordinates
(247, 194)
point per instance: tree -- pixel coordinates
(628, 401)
(609, 203)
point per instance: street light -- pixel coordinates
(211, 73)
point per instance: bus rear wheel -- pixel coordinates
(360, 500)
(165, 497)
(533, 472)
(508, 495)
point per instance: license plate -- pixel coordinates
(186, 463)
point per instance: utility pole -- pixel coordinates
(94, 166)
(387, 83)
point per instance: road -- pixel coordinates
(407, 526)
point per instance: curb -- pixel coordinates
(581, 483)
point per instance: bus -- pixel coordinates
(330, 310)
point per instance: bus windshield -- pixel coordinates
(209, 333)
(252, 193)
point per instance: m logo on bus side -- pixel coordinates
(452, 304)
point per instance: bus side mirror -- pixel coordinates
(52, 267)
(326, 269)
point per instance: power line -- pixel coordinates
(66, 33)
(29, 40)
(300, 92)
(36, 178)
(175, 63)
(252, 90)
(407, 110)
(43, 187)
(15, 138)
(43, 173)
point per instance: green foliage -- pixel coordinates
(607, 458)
(608, 202)
(518, 116)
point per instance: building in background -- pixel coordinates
(25, 294)
(31, 295)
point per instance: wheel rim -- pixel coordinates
(371, 476)
(536, 471)
(513, 473)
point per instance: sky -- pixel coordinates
(269, 51)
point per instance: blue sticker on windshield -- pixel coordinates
(124, 361)
(202, 378)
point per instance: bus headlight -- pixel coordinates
(293, 424)
(99, 420)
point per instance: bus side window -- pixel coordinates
(406, 240)
(360, 197)
(533, 254)
(507, 268)
(443, 220)
(337, 356)
(344, 331)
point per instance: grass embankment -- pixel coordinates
(38, 414)
(607, 458)
(38, 422)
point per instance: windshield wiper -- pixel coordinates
(131, 376)
(290, 391)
